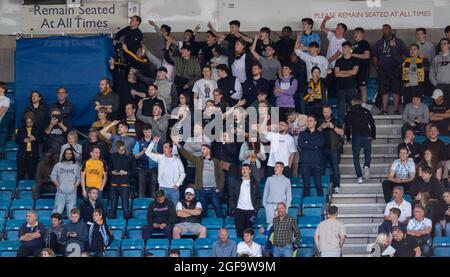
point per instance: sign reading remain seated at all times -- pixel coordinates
(102, 17)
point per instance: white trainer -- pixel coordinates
(360, 180)
(366, 173)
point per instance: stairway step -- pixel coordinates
(388, 119)
(382, 168)
(360, 218)
(382, 148)
(355, 249)
(361, 188)
(362, 228)
(374, 178)
(389, 129)
(370, 208)
(375, 158)
(360, 198)
(360, 238)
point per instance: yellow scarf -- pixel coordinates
(314, 90)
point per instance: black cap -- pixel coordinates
(223, 67)
(162, 68)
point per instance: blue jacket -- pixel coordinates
(311, 145)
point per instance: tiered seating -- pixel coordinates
(441, 246)
(140, 206)
(132, 247)
(185, 246)
(158, 247)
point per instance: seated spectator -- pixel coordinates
(4, 100)
(276, 190)
(399, 203)
(47, 253)
(316, 94)
(43, 172)
(413, 75)
(94, 173)
(53, 234)
(160, 217)
(63, 105)
(72, 143)
(426, 182)
(429, 160)
(57, 131)
(224, 246)
(261, 98)
(31, 236)
(446, 174)
(75, 232)
(404, 244)
(134, 125)
(442, 222)
(266, 56)
(93, 140)
(285, 228)
(108, 99)
(436, 145)
(187, 70)
(122, 131)
(390, 221)
(440, 112)
(229, 84)
(203, 89)
(28, 139)
(151, 100)
(415, 116)
(189, 212)
(252, 86)
(420, 228)
(423, 199)
(122, 169)
(159, 122)
(402, 173)
(100, 236)
(380, 245)
(253, 153)
(88, 206)
(284, 90)
(248, 246)
(413, 147)
(39, 110)
(174, 253)
(330, 235)
(66, 178)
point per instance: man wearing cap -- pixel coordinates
(188, 213)
(158, 122)
(440, 112)
(166, 89)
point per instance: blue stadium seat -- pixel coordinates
(158, 252)
(296, 200)
(6, 195)
(141, 203)
(204, 253)
(114, 249)
(134, 229)
(441, 246)
(118, 227)
(6, 165)
(25, 195)
(293, 211)
(182, 244)
(158, 244)
(11, 155)
(307, 232)
(9, 248)
(3, 215)
(132, 247)
(45, 204)
(296, 182)
(185, 253)
(318, 211)
(305, 252)
(211, 212)
(308, 221)
(12, 229)
(260, 240)
(132, 253)
(297, 192)
(10, 175)
(20, 207)
(261, 213)
(43, 214)
(204, 243)
(229, 222)
(260, 222)
(140, 214)
(313, 202)
(232, 233)
(25, 185)
(212, 222)
(8, 185)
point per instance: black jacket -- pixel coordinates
(125, 162)
(22, 134)
(161, 213)
(132, 38)
(41, 116)
(359, 123)
(86, 210)
(248, 62)
(251, 87)
(236, 190)
(104, 150)
(227, 86)
(433, 187)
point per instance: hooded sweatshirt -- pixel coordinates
(285, 99)
(67, 174)
(440, 71)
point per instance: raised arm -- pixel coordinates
(253, 48)
(105, 131)
(324, 22)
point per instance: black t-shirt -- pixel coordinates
(359, 47)
(344, 65)
(405, 247)
(435, 108)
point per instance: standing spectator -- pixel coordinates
(284, 91)
(390, 221)
(361, 130)
(297, 124)
(189, 212)
(187, 70)
(106, 98)
(75, 231)
(361, 51)
(310, 143)
(193, 145)
(234, 34)
(420, 228)
(218, 59)
(166, 89)
(276, 190)
(435, 144)
(93, 140)
(66, 178)
(94, 173)
(57, 131)
(224, 246)
(253, 153)
(440, 112)
(134, 125)
(121, 135)
(4, 101)
(72, 143)
(229, 85)
(203, 89)
(413, 74)
(440, 71)
(102, 122)
(240, 60)
(160, 217)
(330, 235)
(427, 53)
(262, 39)
(312, 58)
(315, 94)
(151, 100)
(345, 72)
(284, 228)
(158, 122)
(415, 116)
(244, 201)
(132, 34)
(400, 203)
(53, 234)
(401, 173)
(271, 66)
(170, 170)
(404, 244)
(308, 35)
(285, 45)
(31, 236)
(248, 247)
(123, 170)
(43, 172)
(63, 105)
(442, 222)
(332, 132)
(426, 182)
(88, 206)
(206, 47)
(387, 57)
(40, 111)
(413, 147)
(252, 86)
(28, 139)
(100, 236)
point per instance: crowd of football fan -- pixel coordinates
(138, 145)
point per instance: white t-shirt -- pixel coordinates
(238, 69)
(403, 171)
(170, 167)
(404, 207)
(334, 46)
(4, 102)
(415, 225)
(253, 251)
(179, 206)
(245, 198)
(204, 88)
(312, 61)
(281, 147)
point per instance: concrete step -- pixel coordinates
(361, 188)
(351, 178)
(382, 168)
(388, 119)
(382, 148)
(360, 218)
(363, 198)
(354, 256)
(355, 249)
(360, 238)
(375, 158)
(362, 228)
(389, 129)
(371, 208)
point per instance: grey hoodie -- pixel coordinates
(276, 190)
(67, 174)
(440, 70)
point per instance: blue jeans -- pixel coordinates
(285, 251)
(209, 195)
(172, 194)
(366, 144)
(314, 170)
(334, 158)
(438, 228)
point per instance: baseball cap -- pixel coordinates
(189, 190)
(162, 68)
(437, 93)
